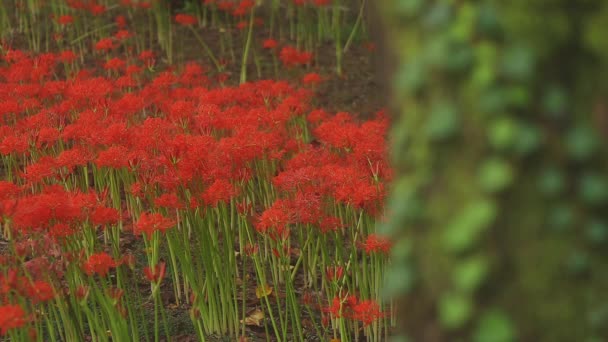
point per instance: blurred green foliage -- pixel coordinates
(499, 140)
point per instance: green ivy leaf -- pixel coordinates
(455, 310)
(581, 143)
(469, 274)
(551, 181)
(494, 326)
(593, 189)
(596, 232)
(468, 225)
(443, 122)
(502, 132)
(495, 175)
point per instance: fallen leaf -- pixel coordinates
(254, 318)
(263, 291)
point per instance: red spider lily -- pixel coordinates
(11, 317)
(146, 55)
(122, 35)
(99, 263)
(104, 216)
(115, 157)
(275, 219)
(114, 64)
(156, 274)
(40, 291)
(270, 44)
(170, 201)
(97, 9)
(185, 19)
(376, 244)
(121, 21)
(312, 78)
(65, 20)
(321, 3)
(366, 312)
(243, 8)
(82, 292)
(104, 44)
(290, 56)
(250, 249)
(225, 5)
(115, 293)
(149, 223)
(221, 191)
(243, 24)
(61, 231)
(335, 309)
(334, 273)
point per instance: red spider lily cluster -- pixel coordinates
(119, 174)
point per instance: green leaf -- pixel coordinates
(596, 232)
(561, 217)
(551, 181)
(581, 143)
(455, 310)
(518, 63)
(443, 122)
(495, 175)
(468, 225)
(528, 139)
(494, 326)
(502, 132)
(593, 189)
(408, 7)
(469, 274)
(411, 76)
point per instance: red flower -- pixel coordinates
(375, 243)
(334, 273)
(312, 78)
(65, 19)
(114, 157)
(114, 64)
(156, 274)
(146, 55)
(11, 317)
(220, 191)
(168, 201)
(290, 56)
(149, 223)
(270, 44)
(97, 9)
(121, 21)
(40, 291)
(122, 35)
(105, 216)
(104, 44)
(366, 312)
(185, 19)
(67, 56)
(99, 263)
(243, 24)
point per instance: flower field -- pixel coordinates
(139, 186)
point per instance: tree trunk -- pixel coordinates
(499, 207)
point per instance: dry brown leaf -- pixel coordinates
(263, 291)
(256, 318)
